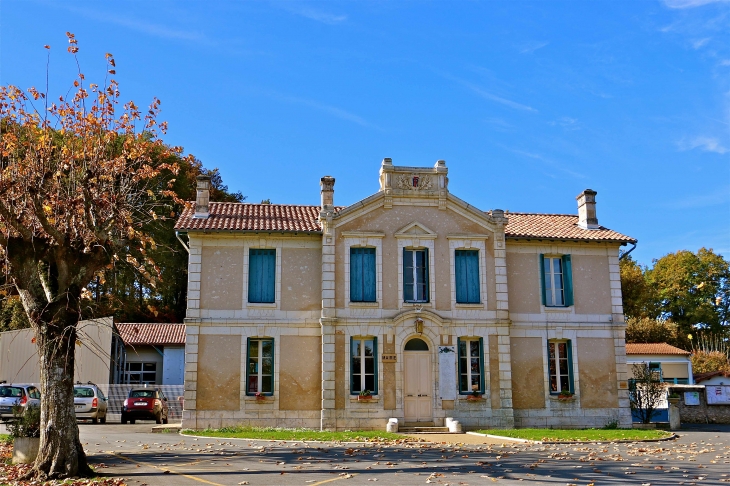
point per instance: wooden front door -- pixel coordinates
(418, 400)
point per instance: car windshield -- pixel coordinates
(83, 393)
(142, 394)
(10, 392)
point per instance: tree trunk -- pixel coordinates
(61, 454)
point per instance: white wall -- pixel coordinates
(173, 365)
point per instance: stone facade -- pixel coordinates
(506, 329)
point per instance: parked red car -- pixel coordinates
(147, 404)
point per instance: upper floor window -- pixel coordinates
(557, 282)
(471, 365)
(363, 371)
(362, 275)
(560, 366)
(261, 276)
(260, 366)
(466, 273)
(415, 275)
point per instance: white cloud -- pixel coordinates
(566, 122)
(549, 162)
(489, 96)
(691, 3)
(314, 14)
(707, 144)
(716, 198)
(532, 47)
(696, 44)
(329, 109)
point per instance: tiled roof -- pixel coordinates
(134, 333)
(285, 217)
(252, 217)
(710, 374)
(557, 226)
(654, 348)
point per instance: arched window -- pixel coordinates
(416, 345)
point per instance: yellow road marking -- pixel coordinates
(194, 478)
(333, 479)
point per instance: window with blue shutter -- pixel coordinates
(415, 275)
(560, 366)
(261, 276)
(466, 273)
(556, 276)
(362, 275)
(471, 365)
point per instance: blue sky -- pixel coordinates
(528, 102)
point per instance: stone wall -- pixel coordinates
(702, 413)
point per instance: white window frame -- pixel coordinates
(362, 357)
(549, 278)
(558, 375)
(417, 242)
(427, 293)
(468, 362)
(259, 359)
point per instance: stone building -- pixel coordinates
(437, 308)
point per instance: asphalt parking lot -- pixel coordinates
(696, 457)
(700, 456)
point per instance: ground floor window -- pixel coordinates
(260, 368)
(140, 373)
(363, 365)
(560, 366)
(471, 365)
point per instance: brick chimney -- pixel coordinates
(327, 183)
(587, 218)
(202, 198)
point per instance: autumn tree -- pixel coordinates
(80, 178)
(646, 392)
(649, 330)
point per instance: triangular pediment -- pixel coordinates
(415, 229)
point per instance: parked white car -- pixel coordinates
(23, 395)
(90, 403)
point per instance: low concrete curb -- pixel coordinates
(167, 428)
(553, 442)
(375, 444)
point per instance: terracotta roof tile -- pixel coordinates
(134, 333)
(558, 226)
(654, 348)
(286, 217)
(252, 217)
(710, 374)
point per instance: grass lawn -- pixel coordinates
(272, 433)
(588, 435)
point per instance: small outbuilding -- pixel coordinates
(672, 364)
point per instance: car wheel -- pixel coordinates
(132, 421)
(124, 419)
(95, 421)
(164, 420)
(103, 419)
(158, 418)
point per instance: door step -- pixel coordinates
(418, 424)
(424, 430)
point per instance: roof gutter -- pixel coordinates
(177, 235)
(632, 249)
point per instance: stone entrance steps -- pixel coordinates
(422, 428)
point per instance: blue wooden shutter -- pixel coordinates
(426, 290)
(466, 274)
(407, 275)
(362, 275)
(569, 348)
(542, 279)
(460, 366)
(567, 280)
(375, 366)
(356, 275)
(261, 276)
(481, 366)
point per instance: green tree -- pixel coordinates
(648, 330)
(692, 289)
(639, 298)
